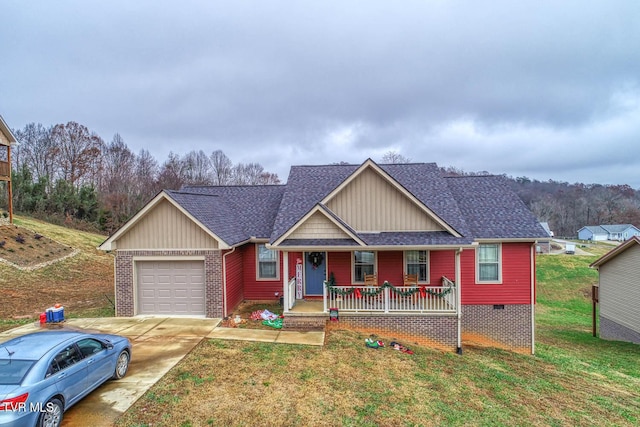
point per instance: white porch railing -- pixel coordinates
(292, 293)
(390, 299)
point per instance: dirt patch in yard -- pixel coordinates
(244, 311)
(27, 249)
(31, 281)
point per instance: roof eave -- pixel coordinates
(514, 239)
(348, 248)
(4, 127)
(615, 252)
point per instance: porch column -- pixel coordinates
(285, 282)
(459, 300)
(533, 298)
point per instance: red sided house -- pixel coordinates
(397, 249)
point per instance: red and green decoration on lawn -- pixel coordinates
(402, 291)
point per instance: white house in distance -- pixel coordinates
(617, 232)
(619, 292)
(545, 247)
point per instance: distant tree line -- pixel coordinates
(569, 207)
(66, 173)
(566, 207)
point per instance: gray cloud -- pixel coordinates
(544, 89)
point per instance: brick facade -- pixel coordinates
(506, 326)
(125, 280)
(610, 330)
(433, 331)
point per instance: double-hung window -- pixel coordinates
(488, 263)
(268, 263)
(363, 263)
(417, 262)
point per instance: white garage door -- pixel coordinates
(171, 287)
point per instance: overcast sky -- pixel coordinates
(544, 89)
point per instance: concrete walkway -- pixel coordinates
(275, 336)
(158, 344)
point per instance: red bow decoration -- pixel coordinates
(357, 293)
(423, 292)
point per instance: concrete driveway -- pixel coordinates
(158, 345)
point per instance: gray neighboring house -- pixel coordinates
(545, 247)
(619, 292)
(616, 232)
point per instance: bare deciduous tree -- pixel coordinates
(171, 175)
(197, 168)
(394, 157)
(79, 152)
(36, 150)
(221, 168)
(146, 172)
(252, 174)
(117, 179)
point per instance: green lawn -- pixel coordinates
(574, 378)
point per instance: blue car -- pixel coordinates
(44, 373)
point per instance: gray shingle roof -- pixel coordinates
(414, 238)
(616, 228)
(595, 229)
(481, 207)
(306, 186)
(492, 209)
(234, 213)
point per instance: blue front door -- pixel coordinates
(315, 273)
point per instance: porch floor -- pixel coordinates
(307, 307)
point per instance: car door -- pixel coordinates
(100, 361)
(70, 374)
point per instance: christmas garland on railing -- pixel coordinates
(359, 293)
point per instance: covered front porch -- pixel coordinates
(428, 311)
(326, 278)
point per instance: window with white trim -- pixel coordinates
(488, 263)
(364, 262)
(268, 263)
(417, 262)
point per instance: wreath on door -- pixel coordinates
(315, 258)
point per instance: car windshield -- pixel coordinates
(13, 371)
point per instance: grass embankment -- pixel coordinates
(574, 378)
(82, 283)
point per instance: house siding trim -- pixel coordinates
(126, 286)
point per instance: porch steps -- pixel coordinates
(306, 322)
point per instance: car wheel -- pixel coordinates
(122, 365)
(52, 414)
